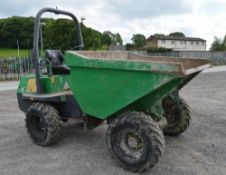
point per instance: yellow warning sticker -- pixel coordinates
(31, 85)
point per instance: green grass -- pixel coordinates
(7, 53)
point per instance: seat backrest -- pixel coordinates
(57, 62)
(55, 57)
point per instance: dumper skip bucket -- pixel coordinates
(107, 82)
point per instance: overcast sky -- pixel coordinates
(195, 18)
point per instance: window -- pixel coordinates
(163, 41)
(182, 42)
(197, 43)
(192, 42)
(172, 42)
(203, 43)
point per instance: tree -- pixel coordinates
(92, 38)
(16, 28)
(118, 39)
(57, 34)
(218, 44)
(108, 38)
(177, 34)
(138, 40)
(130, 46)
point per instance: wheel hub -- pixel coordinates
(134, 141)
(131, 144)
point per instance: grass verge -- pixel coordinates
(7, 53)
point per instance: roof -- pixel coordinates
(175, 38)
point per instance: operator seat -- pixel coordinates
(57, 62)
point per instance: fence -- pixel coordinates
(218, 58)
(13, 68)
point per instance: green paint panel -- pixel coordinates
(104, 87)
(101, 92)
(51, 84)
(150, 102)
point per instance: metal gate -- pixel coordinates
(13, 68)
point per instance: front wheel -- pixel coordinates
(177, 113)
(135, 141)
(43, 124)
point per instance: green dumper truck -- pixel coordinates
(138, 97)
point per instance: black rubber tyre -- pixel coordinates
(43, 124)
(178, 116)
(135, 141)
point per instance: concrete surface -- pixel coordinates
(201, 150)
(215, 69)
(8, 85)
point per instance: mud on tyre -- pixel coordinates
(135, 141)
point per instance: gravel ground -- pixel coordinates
(200, 150)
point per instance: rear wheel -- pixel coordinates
(178, 116)
(135, 141)
(43, 124)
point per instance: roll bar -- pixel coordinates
(35, 53)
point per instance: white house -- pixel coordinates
(176, 43)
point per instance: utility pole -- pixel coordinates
(41, 38)
(18, 48)
(82, 19)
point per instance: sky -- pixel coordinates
(195, 18)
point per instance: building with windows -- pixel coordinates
(176, 43)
